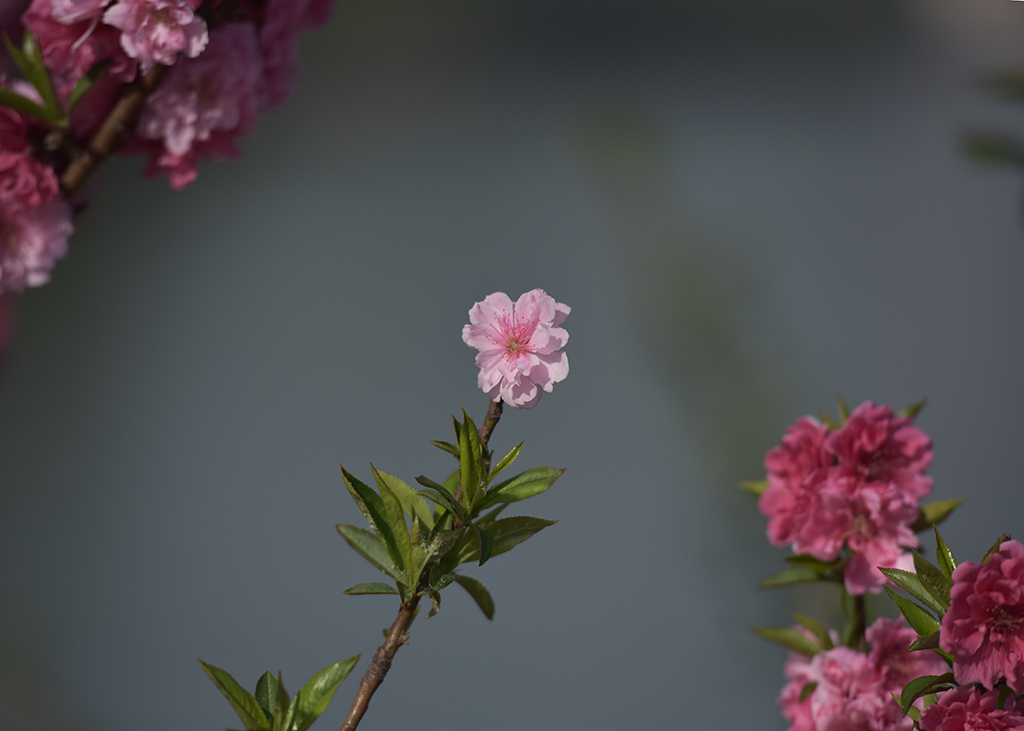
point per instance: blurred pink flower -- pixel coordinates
(156, 31)
(968, 708)
(520, 346)
(203, 104)
(983, 629)
(283, 22)
(72, 11)
(856, 487)
(853, 690)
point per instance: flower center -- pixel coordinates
(516, 337)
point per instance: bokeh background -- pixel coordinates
(749, 205)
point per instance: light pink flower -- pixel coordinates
(983, 629)
(283, 22)
(72, 11)
(156, 31)
(968, 708)
(204, 103)
(31, 241)
(853, 690)
(520, 346)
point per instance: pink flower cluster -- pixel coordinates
(972, 709)
(35, 220)
(983, 629)
(520, 346)
(852, 690)
(855, 487)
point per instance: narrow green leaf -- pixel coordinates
(464, 548)
(480, 595)
(934, 513)
(925, 642)
(789, 638)
(369, 546)
(30, 63)
(492, 515)
(435, 600)
(754, 487)
(316, 695)
(443, 498)
(828, 420)
(995, 547)
(507, 534)
(505, 462)
(933, 580)
(383, 516)
(917, 617)
(266, 693)
(921, 686)
(806, 691)
(447, 447)
(22, 104)
(486, 543)
(794, 575)
(844, 410)
(395, 516)
(911, 584)
(416, 557)
(469, 461)
(522, 486)
(374, 587)
(816, 628)
(914, 409)
(281, 705)
(439, 580)
(412, 502)
(946, 560)
(241, 700)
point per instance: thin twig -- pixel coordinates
(398, 634)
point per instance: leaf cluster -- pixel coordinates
(269, 708)
(419, 538)
(29, 59)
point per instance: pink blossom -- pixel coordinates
(520, 346)
(853, 690)
(879, 448)
(283, 21)
(968, 708)
(983, 629)
(156, 31)
(31, 241)
(72, 11)
(203, 104)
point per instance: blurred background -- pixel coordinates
(750, 206)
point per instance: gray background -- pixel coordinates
(749, 206)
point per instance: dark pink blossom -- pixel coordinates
(31, 242)
(520, 346)
(853, 690)
(283, 22)
(204, 104)
(983, 629)
(157, 31)
(968, 708)
(72, 11)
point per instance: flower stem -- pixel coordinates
(398, 634)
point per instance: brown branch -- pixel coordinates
(112, 133)
(398, 634)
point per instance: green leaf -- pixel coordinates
(505, 461)
(816, 628)
(445, 499)
(854, 611)
(22, 104)
(486, 543)
(369, 546)
(316, 695)
(395, 516)
(480, 595)
(995, 547)
(490, 516)
(922, 686)
(946, 560)
(447, 447)
(416, 559)
(917, 617)
(522, 486)
(87, 82)
(911, 584)
(469, 461)
(810, 562)
(266, 693)
(925, 642)
(435, 600)
(412, 502)
(30, 61)
(933, 580)
(374, 587)
(844, 410)
(245, 705)
(754, 487)
(794, 575)
(934, 513)
(789, 638)
(382, 515)
(440, 580)
(281, 705)
(828, 420)
(914, 409)
(806, 691)
(510, 532)
(451, 484)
